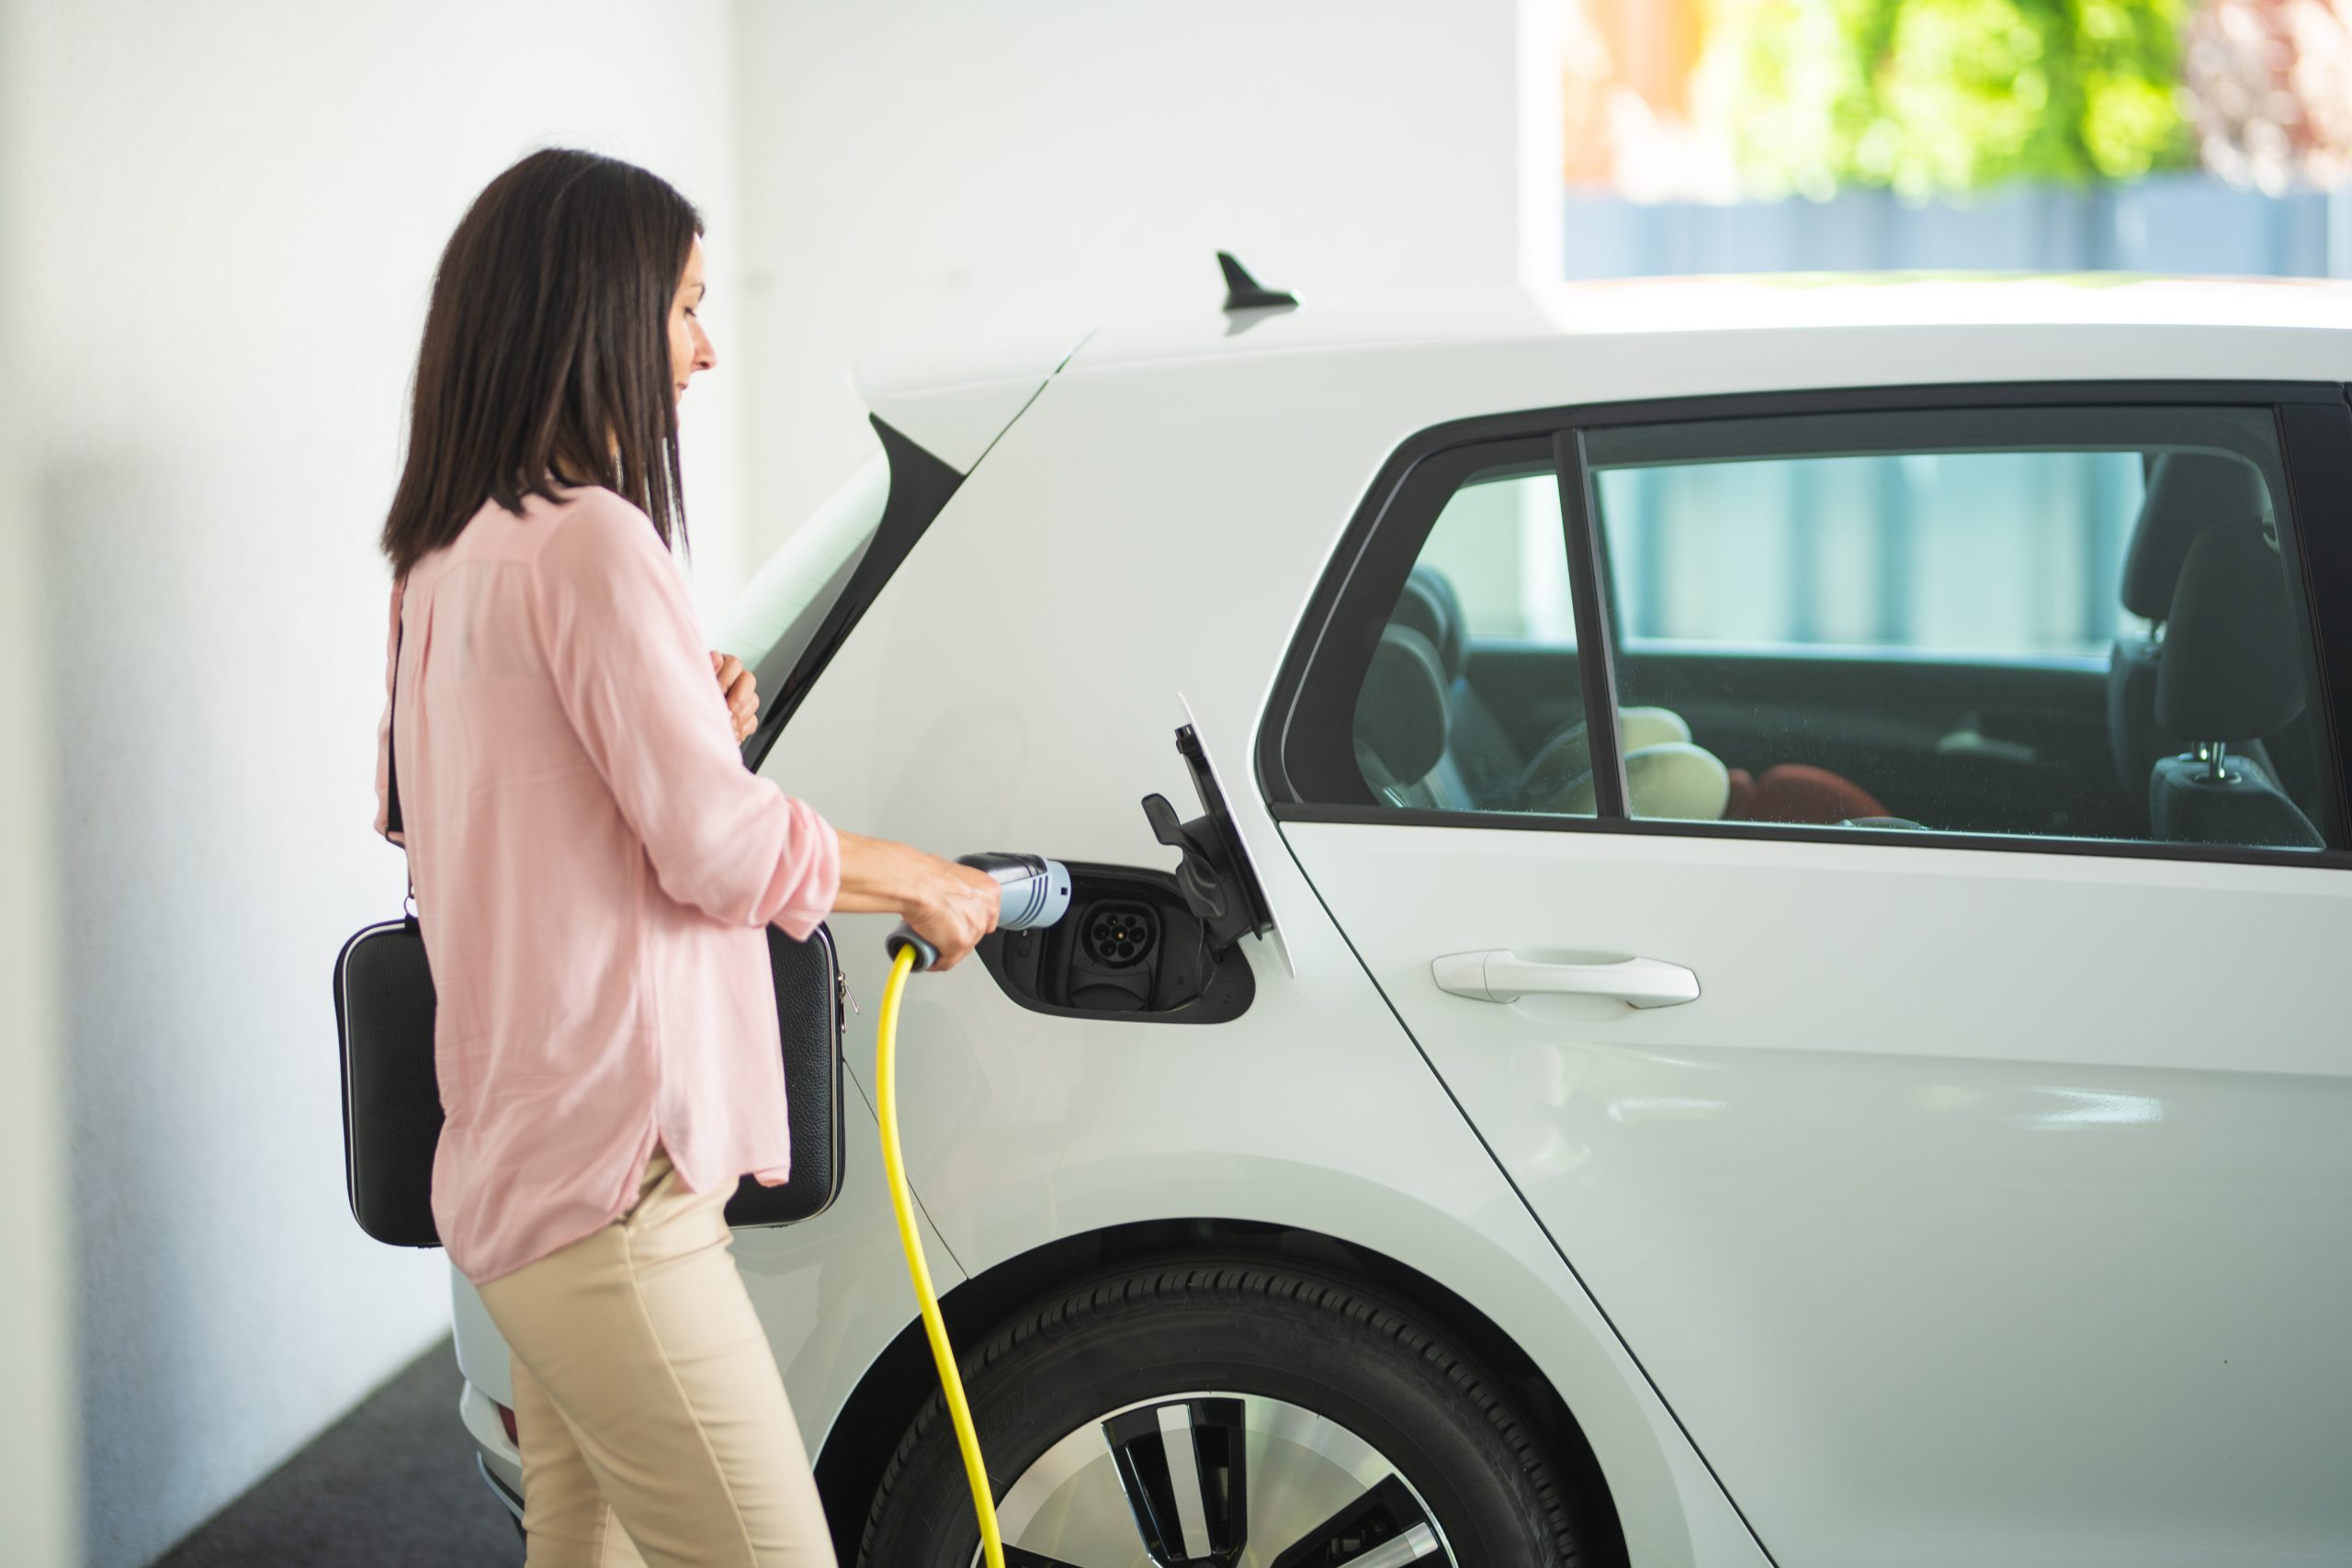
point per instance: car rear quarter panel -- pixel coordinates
(1015, 686)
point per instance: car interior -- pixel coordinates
(2197, 731)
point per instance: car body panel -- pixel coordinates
(1683, 324)
(953, 399)
(500, 1459)
(1020, 1129)
(1964, 1210)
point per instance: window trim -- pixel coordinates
(2316, 442)
(921, 487)
(1323, 673)
(2313, 420)
(1596, 606)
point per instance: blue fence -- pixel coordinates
(2185, 223)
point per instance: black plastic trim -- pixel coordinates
(1938, 395)
(1304, 675)
(1596, 651)
(1794, 833)
(1215, 865)
(510, 1499)
(2318, 449)
(921, 487)
(1243, 292)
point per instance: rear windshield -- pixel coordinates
(773, 620)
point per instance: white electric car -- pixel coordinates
(1747, 958)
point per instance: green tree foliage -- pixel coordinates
(1941, 96)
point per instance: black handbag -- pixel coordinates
(391, 1098)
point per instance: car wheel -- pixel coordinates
(1225, 1413)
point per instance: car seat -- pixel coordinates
(1405, 729)
(2230, 673)
(1488, 764)
(1402, 725)
(1666, 775)
(2187, 493)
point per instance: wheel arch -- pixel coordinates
(849, 1464)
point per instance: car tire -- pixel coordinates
(1288, 1342)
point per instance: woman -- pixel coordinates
(593, 867)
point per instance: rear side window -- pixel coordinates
(1497, 543)
(802, 605)
(1963, 553)
(1470, 698)
(775, 618)
(2069, 622)
(2055, 622)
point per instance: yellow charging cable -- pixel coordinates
(934, 1327)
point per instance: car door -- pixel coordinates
(1968, 1195)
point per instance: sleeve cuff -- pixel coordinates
(820, 883)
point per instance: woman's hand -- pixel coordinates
(743, 692)
(949, 905)
(959, 907)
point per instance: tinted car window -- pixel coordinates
(2038, 621)
(770, 622)
(1470, 697)
(1470, 700)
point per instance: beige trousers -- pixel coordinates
(652, 1421)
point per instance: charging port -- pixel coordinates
(1154, 946)
(1129, 948)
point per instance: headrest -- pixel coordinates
(2230, 668)
(1401, 712)
(2187, 493)
(1432, 608)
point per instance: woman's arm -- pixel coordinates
(635, 680)
(950, 906)
(626, 657)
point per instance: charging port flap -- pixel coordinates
(1144, 945)
(1215, 876)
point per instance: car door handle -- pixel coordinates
(1497, 976)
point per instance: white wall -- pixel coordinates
(231, 212)
(36, 1351)
(912, 166)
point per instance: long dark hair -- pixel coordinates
(547, 345)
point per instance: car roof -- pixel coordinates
(1680, 307)
(1666, 336)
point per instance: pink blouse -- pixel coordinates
(593, 867)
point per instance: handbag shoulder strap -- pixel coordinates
(391, 755)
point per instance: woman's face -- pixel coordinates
(690, 348)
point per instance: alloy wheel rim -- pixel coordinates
(1233, 1480)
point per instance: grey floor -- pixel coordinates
(393, 1483)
